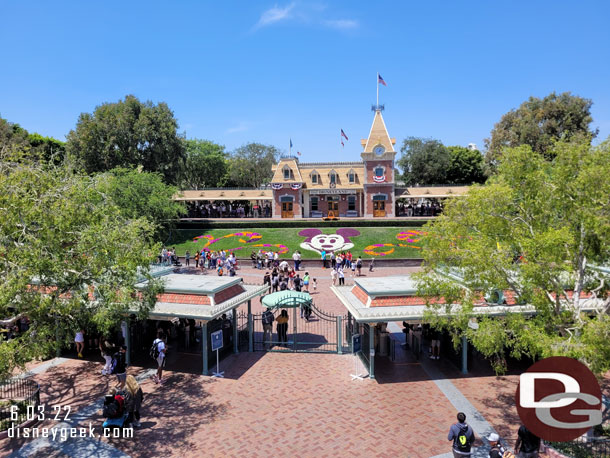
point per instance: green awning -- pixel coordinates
(286, 299)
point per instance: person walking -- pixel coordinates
(267, 320)
(267, 280)
(372, 265)
(106, 350)
(341, 276)
(323, 258)
(187, 258)
(333, 276)
(359, 265)
(462, 436)
(297, 260)
(282, 326)
(120, 366)
(79, 341)
(496, 450)
(527, 444)
(137, 396)
(158, 352)
(306, 282)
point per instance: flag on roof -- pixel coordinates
(343, 134)
(380, 80)
(291, 142)
(342, 144)
(299, 153)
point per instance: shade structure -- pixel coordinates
(286, 299)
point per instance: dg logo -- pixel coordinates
(559, 399)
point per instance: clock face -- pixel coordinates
(379, 150)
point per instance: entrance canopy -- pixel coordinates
(286, 299)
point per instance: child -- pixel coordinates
(315, 284)
(353, 268)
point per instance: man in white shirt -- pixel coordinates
(297, 259)
(160, 344)
(284, 266)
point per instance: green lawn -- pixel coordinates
(287, 240)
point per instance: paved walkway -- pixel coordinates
(280, 404)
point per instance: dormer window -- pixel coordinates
(314, 178)
(287, 173)
(332, 176)
(351, 176)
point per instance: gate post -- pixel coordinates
(204, 346)
(235, 333)
(339, 336)
(294, 328)
(250, 334)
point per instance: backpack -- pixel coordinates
(114, 408)
(113, 365)
(462, 441)
(154, 350)
(268, 317)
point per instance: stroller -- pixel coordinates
(115, 412)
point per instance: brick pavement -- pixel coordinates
(276, 404)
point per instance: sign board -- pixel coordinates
(356, 343)
(316, 192)
(216, 337)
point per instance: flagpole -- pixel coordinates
(377, 106)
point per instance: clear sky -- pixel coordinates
(240, 71)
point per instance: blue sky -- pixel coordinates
(242, 71)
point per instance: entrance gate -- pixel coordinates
(321, 333)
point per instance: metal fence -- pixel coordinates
(315, 332)
(17, 397)
(584, 447)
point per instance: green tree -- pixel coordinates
(537, 229)
(128, 133)
(61, 235)
(424, 161)
(48, 149)
(205, 166)
(466, 166)
(539, 123)
(250, 165)
(141, 194)
(13, 138)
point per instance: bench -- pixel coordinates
(351, 214)
(316, 214)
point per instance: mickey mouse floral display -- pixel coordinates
(318, 242)
(410, 237)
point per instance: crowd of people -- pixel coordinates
(462, 435)
(226, 209)
(419, 208)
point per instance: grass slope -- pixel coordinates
(182, 240)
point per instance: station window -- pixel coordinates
(314, 178)
(352, 177)
(351, 202)
(379, 171)
(314, 204)
(287, 173)
(333, 178)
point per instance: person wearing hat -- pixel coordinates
(496, 450)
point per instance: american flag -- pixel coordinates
(342, 144)
(343, 134)
(299, 153)
(380, 80)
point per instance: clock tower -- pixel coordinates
(378, 157)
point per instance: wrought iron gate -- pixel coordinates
(319, 332)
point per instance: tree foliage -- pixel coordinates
(537, 229)
(206, 165)
(15, 140)
(466, 166)
(539, 123)
(250, 165)
(141, 194)
(128, 133)
(424, 161)
(60, 235)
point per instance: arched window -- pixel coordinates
(287, 173)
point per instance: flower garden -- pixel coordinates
(377, 242)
